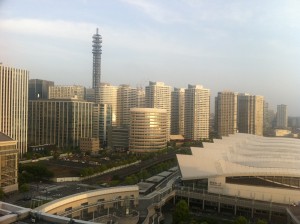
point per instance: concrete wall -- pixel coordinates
(277, 195)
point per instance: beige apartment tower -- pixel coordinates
(250, 114)
(197, 111)
(158, 95)
(226, 113)
(177, 111)
(60, 122)
(67, 92)
(148, 129)
(14, 105)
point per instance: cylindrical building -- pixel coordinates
(148, 129)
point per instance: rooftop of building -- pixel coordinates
(4, 137)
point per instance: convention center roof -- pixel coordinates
(242, 155)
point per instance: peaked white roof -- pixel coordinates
(242, 155)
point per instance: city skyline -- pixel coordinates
(236, 46)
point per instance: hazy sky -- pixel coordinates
(239, 45)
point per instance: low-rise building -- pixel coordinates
(8, 164)
(89, 144)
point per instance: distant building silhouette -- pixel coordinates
(67, 92)
(38, 89)
(177, 111)
(281, 116)
(250, 114)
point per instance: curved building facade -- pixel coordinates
(148, 129)
(114, 205)
(246, 166)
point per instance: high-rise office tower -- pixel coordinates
(177, 111)
(226, 113)
(281, 116)
(197, 111)
(158, 95)
(126, 99)
(38, 89)
(61, 122)
(97, 41)
(250, 114)
(67, 92)
(14, 105)
(108, 95)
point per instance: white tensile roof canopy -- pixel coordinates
(242, 155)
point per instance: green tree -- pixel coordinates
(181, 213)
(2, 194)
(240, 220)
(24, 188)
(261, 221)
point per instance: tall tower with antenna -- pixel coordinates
(97, 41)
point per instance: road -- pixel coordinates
(132, 169)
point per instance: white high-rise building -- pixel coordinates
(108, 95)
(281, 116)
(177, 111)
(14, 105)
(197, 111)
(158, 95)
(126, 99)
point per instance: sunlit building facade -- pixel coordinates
(148, 129)
(8, 164)
(126, 99)
(14, 105)
(59, 122)
(226, 113)
(108, 95)
(158, 95)
(67, 92)
(197, 108)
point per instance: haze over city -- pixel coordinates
(243, 46)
